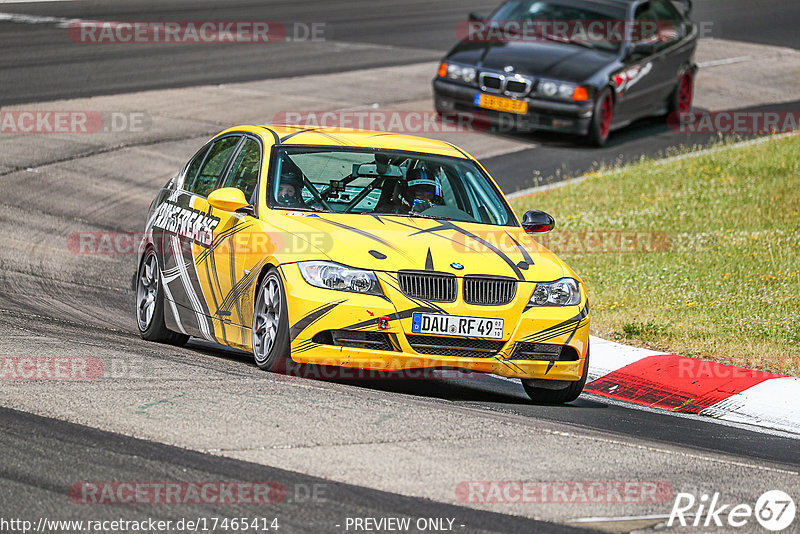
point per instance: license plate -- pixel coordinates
(457, 325)
(499, 103)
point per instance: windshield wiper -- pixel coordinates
(551, 37)
(422, 215)
(303, 208)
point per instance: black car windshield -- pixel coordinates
(568, 22)
(339, 180)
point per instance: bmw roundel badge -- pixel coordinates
(457, 266)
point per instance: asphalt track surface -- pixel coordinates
(309, 504)
(39, 61)
(86, 301)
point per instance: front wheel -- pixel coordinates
(150, 304)
(545, 395)
(271, 323)
(603, 116)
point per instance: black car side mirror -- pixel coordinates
(643, 48)
(474, 17)
(537, 222)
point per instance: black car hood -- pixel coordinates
(541, 59)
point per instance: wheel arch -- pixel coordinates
(141, 253)
(267, 267)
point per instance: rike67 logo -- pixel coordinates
(774, 510)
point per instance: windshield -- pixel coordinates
(373, 182)
(565, 23)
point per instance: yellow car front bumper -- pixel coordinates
(314, 312)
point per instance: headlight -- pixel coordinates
(329, 275)
(561, 90)
(461, 74)
(564, 292)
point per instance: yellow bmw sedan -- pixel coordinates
(359, 249)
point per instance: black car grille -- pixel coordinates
(455, 346)
(437, 287)
(513, 86)
(354, 339)
(492, 82)
(544, 351)
(486, 291)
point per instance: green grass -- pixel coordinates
(700, 256)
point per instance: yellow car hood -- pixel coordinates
(392, 243)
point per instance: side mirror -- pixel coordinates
(474, 17)
(228, 199)
(643, 48)
(537, 222)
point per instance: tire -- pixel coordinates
(271, 324)
(150, 304)
(680, 100)
(569, 393)
(602, 117)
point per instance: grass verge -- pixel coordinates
(700, 257)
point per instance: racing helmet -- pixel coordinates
(293, 176)
(424, 190)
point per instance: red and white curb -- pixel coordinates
(688, 385)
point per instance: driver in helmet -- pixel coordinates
(290, 187)
(424, 191)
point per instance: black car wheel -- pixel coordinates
(603, 116)
(680, 101)
(557, 396)
(271, 324)
(150, 304)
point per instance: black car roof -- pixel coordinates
(605, 3)
(615, 3)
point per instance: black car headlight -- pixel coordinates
(330, 275)
(564, 292)
(562, 90)
(460, 73)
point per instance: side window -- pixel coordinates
(218, 156)
(670, 25)
(657, 22)
(245, 169)
(193, 167)
(643, 27)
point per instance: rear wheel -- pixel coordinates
(603, 116)
(150, 304)
(680, 101)
(271, 324)
(572, 390)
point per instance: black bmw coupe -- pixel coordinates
(585, 67)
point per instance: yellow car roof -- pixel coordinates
(346, 137)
